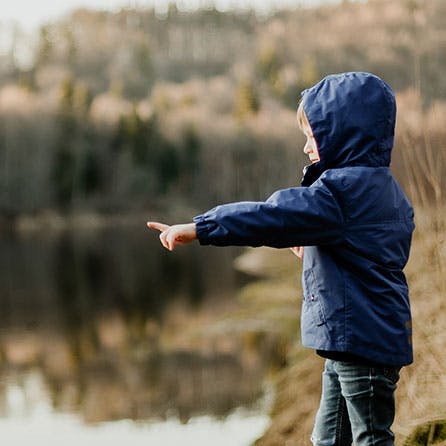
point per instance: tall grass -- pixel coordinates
(422, 389)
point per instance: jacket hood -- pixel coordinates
(352, 116)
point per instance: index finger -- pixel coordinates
(156, 225)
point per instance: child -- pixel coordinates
(356, 226)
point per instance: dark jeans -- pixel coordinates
(357, 404)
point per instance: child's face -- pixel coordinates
(310, 146)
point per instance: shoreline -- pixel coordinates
(53, 221)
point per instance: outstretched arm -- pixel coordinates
(185, 233)
(174, 235)
(293, 217)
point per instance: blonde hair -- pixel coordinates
(302, 119)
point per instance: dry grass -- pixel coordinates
(422, 389)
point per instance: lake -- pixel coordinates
(107, 337)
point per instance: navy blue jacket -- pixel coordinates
(352, 217)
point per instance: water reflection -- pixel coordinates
(116, 328)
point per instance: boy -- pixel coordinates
(356, 225)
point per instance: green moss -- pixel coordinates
(431, 433)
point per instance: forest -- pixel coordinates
(126, 111)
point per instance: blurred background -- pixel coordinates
(119, 113)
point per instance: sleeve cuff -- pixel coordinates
(203, 228)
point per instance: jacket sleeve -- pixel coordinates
(300, 216)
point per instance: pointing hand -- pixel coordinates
(174, 235)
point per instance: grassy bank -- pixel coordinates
(421, 405)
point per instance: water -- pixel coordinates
(105, 336)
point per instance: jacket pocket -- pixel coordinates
(311, 301)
